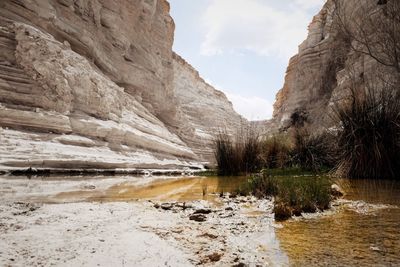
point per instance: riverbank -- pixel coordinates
(83, 221)
(123, 233)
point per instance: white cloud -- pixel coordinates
(308, 4)
(266, 27)
(252, 108)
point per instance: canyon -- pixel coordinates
(95, 85)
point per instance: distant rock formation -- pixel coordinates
(205, 110)
(95, 85)
(323, 68)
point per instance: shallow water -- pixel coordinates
(64, 189)
(362, 230)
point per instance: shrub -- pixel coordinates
(250, 151)
(276, 152)
(226, 155)
(369, 136)
(241, 155)
(313, 152)
(293, 195)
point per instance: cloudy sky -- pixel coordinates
(242, 47)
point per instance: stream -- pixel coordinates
(363, 229)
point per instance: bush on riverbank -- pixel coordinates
(313, 152)
(238, 155)
(226, 155)
(369, 136)
(249, 153)
(276, 151)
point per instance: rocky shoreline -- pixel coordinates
(234, 232)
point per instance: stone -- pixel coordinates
(167, 206)
(198, 217)
(215, 257)
(336, 191)
(203, 211)
(199, 131)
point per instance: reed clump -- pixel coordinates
(314, 152)
(369, 134)
(239, 154)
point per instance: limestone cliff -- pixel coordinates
(205, 110)
(318, 75)
(311, 74)
(90, 84)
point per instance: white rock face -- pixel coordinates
(205, 110)
(319, 75)
(86, 103)
(93, 84)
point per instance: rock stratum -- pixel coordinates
(325, 66)
(95, 85)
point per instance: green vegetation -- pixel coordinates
(369, 137)
(252, 153)
(313, 152)
(366, 143)
(291, 171)
(207, 173)
(293, 195)
(276, 151)
(241, 155)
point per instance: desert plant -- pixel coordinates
(226, 155)
(250, 149)
(369, 136)
(372, 29)
(313, 152)
(276, 151)
(238, 155)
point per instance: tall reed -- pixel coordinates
(369, 136)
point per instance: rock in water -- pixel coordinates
(336, 191)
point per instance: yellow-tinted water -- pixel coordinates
(169, 189)
(357, 235)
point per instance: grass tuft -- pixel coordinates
(293, 195)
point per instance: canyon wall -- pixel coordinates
(205, 110)
(320, 74)
(94, 84)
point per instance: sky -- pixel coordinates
(242, 47)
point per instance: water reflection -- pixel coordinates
(56, 189)
(178, 189)
(349, 238)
